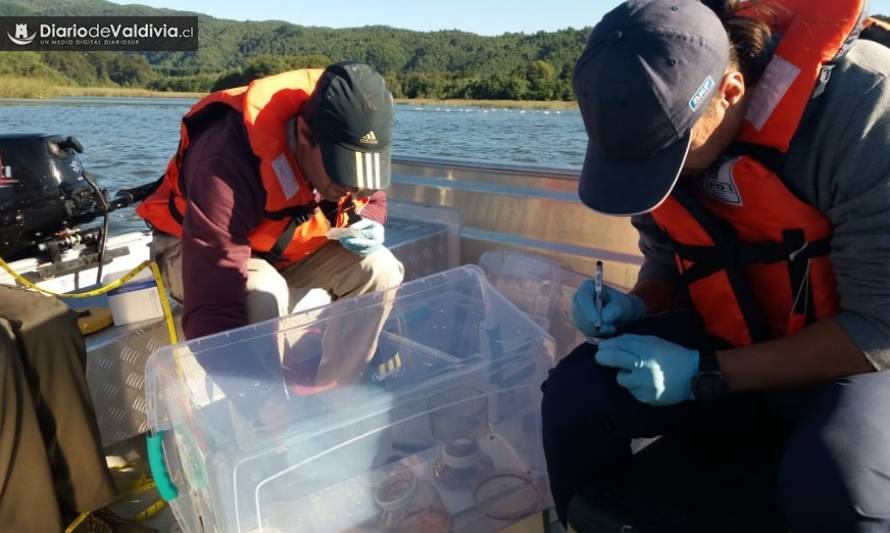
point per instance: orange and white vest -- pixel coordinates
(754, 256)
(293, 226)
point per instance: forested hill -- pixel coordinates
(441, 64)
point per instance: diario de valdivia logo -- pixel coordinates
(159, 33)
(21, 35)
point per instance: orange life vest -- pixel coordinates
(294, 225)
(754, 256)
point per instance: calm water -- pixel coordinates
(128, 142)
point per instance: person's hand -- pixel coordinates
(371, 238)
(619, 309)
(654, 370)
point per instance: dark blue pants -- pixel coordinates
(821, 456)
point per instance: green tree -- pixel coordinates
(386, 58)
(541, 77)
(29, 64)
(129, 70)
(394, 84)
(499, 87)
(423, 86)
(74, 66)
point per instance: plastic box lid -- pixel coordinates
(541, 287)
(317, 422)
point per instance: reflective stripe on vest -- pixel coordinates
(754, 256)
(267, 105)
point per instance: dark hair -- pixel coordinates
(751, 39)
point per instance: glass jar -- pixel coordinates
(459, 420)
(462, 464)
(410, 505)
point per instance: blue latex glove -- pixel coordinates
(619, 309)
(370, 241)
(654, 370)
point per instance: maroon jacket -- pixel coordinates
(225, 202)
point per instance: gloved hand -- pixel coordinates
(619, 309)
(654, 370)
(370, 241)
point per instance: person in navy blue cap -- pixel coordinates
(743, 139)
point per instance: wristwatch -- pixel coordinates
(710, 383)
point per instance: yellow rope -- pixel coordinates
(88, 294)
(77, 521)
(143, 484)
(151, 511)
(165, 303)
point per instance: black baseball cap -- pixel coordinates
(647, 74)
(351, 114)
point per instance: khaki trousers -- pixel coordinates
(329, 274)
(51, 458)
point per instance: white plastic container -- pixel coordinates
(253, 440)
(135, 301)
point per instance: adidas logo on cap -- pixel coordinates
(369, 138)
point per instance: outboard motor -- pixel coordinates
(46, 195)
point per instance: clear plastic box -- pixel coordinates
(448, 218)
(285, 426)
(539, 286)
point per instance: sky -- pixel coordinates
(485, 17)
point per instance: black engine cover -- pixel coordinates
(42, 191)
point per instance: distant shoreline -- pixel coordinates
(15, 88)
(511, 104)
(122, 92)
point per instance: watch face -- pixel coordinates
(710, 386)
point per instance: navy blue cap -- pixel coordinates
(351, 114)
(649, 71)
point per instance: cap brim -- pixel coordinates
(626, 188)
(355, 168)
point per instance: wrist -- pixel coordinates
(639, 306)
(710, 382)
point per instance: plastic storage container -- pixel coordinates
(539, 286)
(136, 301)
(317, 423)
(426, 239)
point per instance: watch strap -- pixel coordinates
(707, 361)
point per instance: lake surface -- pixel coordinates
(128, 141)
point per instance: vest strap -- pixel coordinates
(725, 241)
(710, 259)
(303, 212)
(767, 156)
(301, 215)
(174, 211)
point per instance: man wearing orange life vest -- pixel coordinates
(261, 176)
(747, 140)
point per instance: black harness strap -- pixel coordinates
(725, 240)
(298, 215)
(174, 211)
(767, 156)
(301, 212)
(710, 259)
(731, 256)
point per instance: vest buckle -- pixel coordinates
(793, 255)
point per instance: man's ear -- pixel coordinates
(733, 88)
(305, 136)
